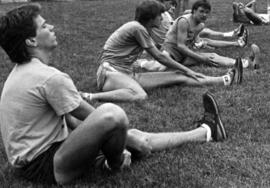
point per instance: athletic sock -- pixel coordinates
(208, 132)
(227, 79)
(228, 34)
(245, 63)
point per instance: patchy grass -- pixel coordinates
(242, 161)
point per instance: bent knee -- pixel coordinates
(115, 115)
(138, 95)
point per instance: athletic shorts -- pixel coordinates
(40, 170)
(104, 68)
(174, 52)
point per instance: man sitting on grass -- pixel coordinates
(202, 40)
(159, 34)
(118, 79)
(183, 36)
(50, 134)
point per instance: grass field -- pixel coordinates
(242, 161)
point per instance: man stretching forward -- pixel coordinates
(116, 76)
(183, 37)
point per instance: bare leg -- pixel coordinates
(216, 59)
(253, 16)
(211, 129)
(252, 5)
(104, 129)
(158, 79)
(121, 87)
(143, 141)
(206, 32)
(220, 43)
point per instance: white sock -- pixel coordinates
(208, 132)
(87, 96)
(245, 63)
(228, 34)
(227, 79)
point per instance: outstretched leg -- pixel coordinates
(217, 60)
(238, 32)
(210, 128)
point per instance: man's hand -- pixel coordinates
(195, 75)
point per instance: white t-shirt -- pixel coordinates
(125, 45)
(34, 99)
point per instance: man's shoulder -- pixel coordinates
(133, 25)
(40, 71)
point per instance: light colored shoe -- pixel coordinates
(255, 56)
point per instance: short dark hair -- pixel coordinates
(148, 10)
(15, 27)
(201, 3)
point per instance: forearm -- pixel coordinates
(189, 53)
(169, 62)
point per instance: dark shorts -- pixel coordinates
(40, 170)
(174, 52)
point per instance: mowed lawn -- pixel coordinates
(243, 160)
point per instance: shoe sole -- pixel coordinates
(246, 33)
(239, 67)
(220, 124)
(256, 53)
(242, 29)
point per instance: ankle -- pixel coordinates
(227, 80)
(208, 132)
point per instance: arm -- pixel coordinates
(181, 42)
(75, 117)
(167, 60)
(82, 111)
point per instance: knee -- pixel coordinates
(138, 95)
(115, 116)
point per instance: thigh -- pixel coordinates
(79, 151)
(118, 80)
(40, 170)
(218, 60)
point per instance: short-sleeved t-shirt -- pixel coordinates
(125, 45)
(34, 99)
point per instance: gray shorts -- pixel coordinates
(107, 67)
(174, 52)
